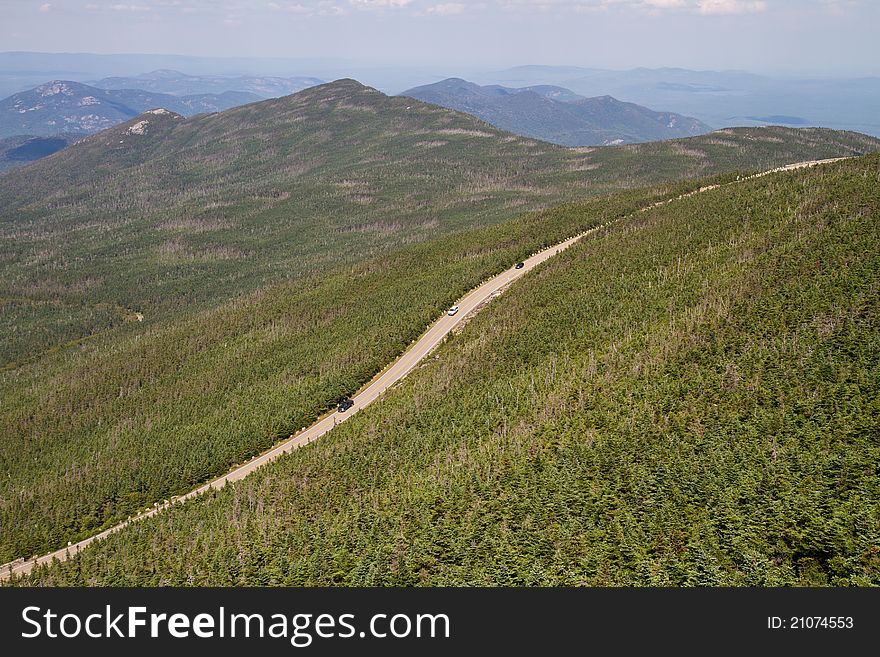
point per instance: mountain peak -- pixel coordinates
(77, 108)
(343, 90)
(558, 115)
(162, 74)
(56, 87)
(148, 122)
(159, 110)
(457, 82)
(345, 83)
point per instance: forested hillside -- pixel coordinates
(178, 293)
(165, 216)
(688, 397)
(122, 421)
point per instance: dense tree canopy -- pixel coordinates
(688, 397)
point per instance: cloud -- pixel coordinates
(587, 6)
(447, 9)
(45, 8)
(323, 8)
(709, 7)
(292, 8)
(664, 4)
(124, 7)
(379, 4)
(839, 7)
(705, 7)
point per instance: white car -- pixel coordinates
(452, 311)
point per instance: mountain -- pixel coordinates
(176, 293)
(558, 115)
(180, 84)
(22, 149)
(720, 98)
(686, 397)
(549, 91)
(72, 107)
(20, 71)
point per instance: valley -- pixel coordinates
(691, 351)
(262, 248)
(474, 301)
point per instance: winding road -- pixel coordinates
(372, 391)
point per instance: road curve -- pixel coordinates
(391, 375)
(373, 390)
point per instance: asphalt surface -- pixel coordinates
(373, 390)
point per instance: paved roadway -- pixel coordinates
(397, 371)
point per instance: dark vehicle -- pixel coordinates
(520, 265)
(345, 404)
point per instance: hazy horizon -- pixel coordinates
(310, 62)
(771, 37)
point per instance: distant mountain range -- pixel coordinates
(559, 115)
(719, 98)
(180, 84)
(23, 70)
(73, 107)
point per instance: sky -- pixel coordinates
(766, 36)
